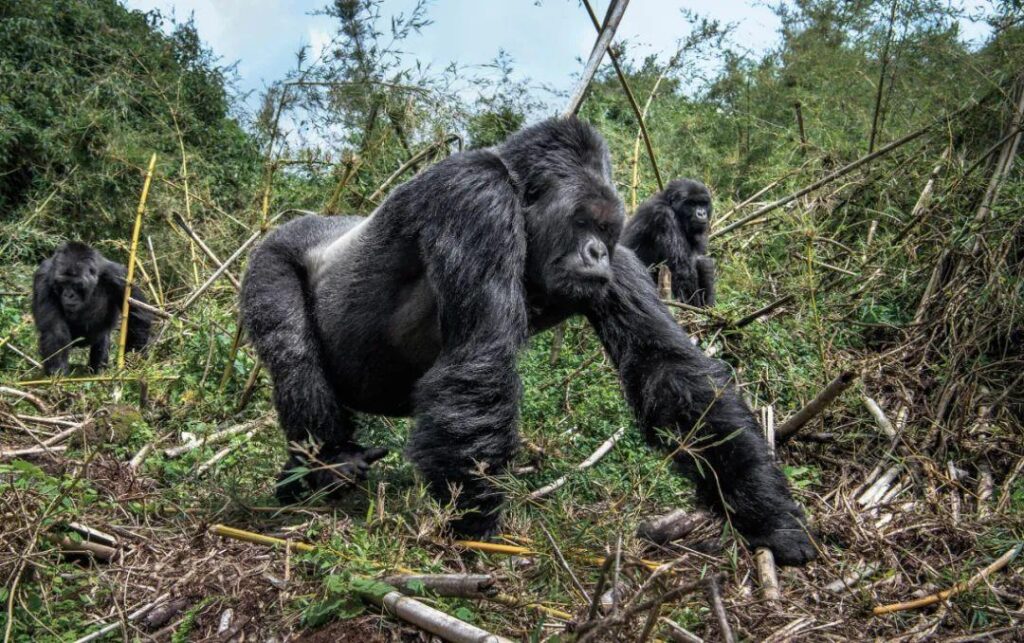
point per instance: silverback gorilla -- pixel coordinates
(76, 301)
(421, 308)
(671, 227)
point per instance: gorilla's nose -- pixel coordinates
(594, 254)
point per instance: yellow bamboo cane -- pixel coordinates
(123, 337)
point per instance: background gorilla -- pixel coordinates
(76, 300)
(421, 308)
(671, 227)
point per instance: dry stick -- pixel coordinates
(223, 453)
(586, 464)
(426, 618)
(766, 573)
(640, 115)
(679, 633)
(22, 354)
(1004, 164)
(95, 378)
(123, 337)
(95, 550)
(422, 154)
(174, 452)
(880, 418)
(565, 565)
(134, 616)
(843, 171)
(42, 406)
(180, 221)
(849, 580)
(220, 271)
(798, 420)
(450, 585)
(604, 38)
(959, 588)
(671, 526)
(17, 453)
(715, 597)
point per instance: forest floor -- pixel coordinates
(124, 468)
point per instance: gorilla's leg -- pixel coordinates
(467, 404)
(277, 315)
(676, 391)
(99, 352)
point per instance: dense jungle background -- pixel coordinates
(868, 231)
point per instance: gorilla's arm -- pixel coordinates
(113, 277)
(54, 336)
(467, 404)
(675, 391)
(705, 281)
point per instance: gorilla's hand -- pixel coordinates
(790, 542)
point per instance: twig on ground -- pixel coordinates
(959, 588)
(174, 452)
(134, 616)
(565, 565)
(17, 453)
(32, 399)
(715, 598)
(586, 464)
(880, 419)
(450, 585)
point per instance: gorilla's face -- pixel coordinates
(74, 280)
(691, 203)
(572, 231)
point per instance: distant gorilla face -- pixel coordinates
(691, 203)
(75, 275)
(572, 231)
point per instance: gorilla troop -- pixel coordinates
(76, 301)
(671, 227)
(421, 308)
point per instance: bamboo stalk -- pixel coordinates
(123, 337)
(616, 10)
(178, 219)
(767, 574)
(959, 588)
(95, 378)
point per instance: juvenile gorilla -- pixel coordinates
(421, 308)
(671, 227)
(76, 300)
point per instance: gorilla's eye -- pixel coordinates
(580, 222)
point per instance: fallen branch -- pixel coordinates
(28, 397)
(798, 420)
(880, 419)
(959, 588)
(134, 616)
(715, 598)
(586, 464)
(450, 585)
(426, 618)
(84, 548)
(174, 452)
(223, 453)
(17, 453)
(671, 526)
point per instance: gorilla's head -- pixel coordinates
(74, 275)
(690, 201)
(573, 215)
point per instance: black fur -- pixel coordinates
(76, 301)
(671, 228)
(422, 308)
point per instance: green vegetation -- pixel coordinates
(91, 89)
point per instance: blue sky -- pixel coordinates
(545, 39)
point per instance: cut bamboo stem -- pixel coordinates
(767, 574)
(134, 616)
(616, 10)
(959, 588)
(586, 464)
(123, 337)
(880, 418)
(174, 452)
(450, 585)
(821, 401)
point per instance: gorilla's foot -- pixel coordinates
(791, 544)
(328, 474)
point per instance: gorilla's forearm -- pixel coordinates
(706, 281)
(677, 392)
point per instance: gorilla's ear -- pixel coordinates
(536, 188)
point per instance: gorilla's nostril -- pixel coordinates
(595, 252)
